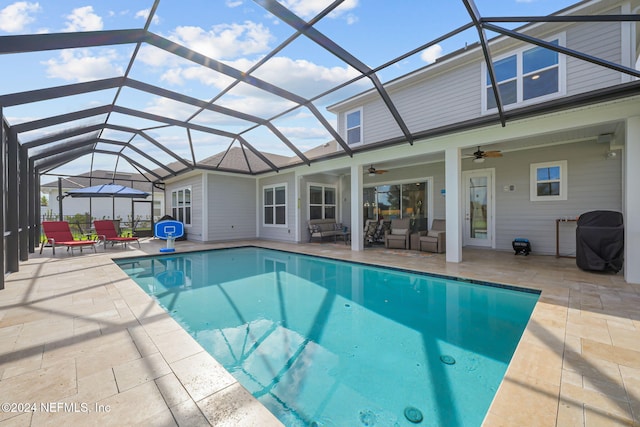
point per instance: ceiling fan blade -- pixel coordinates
(495, 153)
(379, 171)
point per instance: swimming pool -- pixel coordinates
(330, 343)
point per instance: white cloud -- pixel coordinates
(432, 53)
(303, 132)
(222, 42)
(225, 41)
(310, 8)
(80, 65)
(83, 19)
(233, 3)
(18, 15)
(351, 19)
(302, 76)
(170, 108)
(144, 14)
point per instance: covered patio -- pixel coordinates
(77, 330)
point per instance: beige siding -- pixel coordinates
(231, 207)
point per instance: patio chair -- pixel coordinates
(398, 236)
(58, 233)
(106, 231)
(435, 239)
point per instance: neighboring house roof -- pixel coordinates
(96, 177)
(323, 150)
(239, 159)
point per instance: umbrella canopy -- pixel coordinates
(108, 190)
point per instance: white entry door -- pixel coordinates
(478, 201)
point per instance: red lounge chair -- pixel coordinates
(58, 234)
(106, 230)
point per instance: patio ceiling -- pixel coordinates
(160, 128)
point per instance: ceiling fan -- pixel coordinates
(373, 171)
(479, 155)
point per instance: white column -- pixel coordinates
(632, 202)
(297, 197)
(453, 173)
(357, 239)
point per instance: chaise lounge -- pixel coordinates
(58, 233)
(106, 231)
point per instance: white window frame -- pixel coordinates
(323, 204)
(347, 128)
(562, 164)
(520, 101)
(177, 208)
(273, 187)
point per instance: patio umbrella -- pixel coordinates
(108, 190)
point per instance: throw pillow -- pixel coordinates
(315, 228)
(338, 226)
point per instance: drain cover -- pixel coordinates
(448, 360)
(367, 418)
(413, 414)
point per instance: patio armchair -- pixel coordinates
(435, 239)
(58, 233)
(397, 236)
(106, 231)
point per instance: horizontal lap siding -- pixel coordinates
(378, 123)
(278, 233)
(437, 101)
(455, 95)
(600, 40)
(194, 232)
(441, 100)
(232, 207)
(593, 183)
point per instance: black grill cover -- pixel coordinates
(600, 241)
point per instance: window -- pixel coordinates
(181, 205)
(396, 201)
(526, 75)
(354, 127)
(549, 181)
(275, 205)
(322, 202)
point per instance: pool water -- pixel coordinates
(330, 343)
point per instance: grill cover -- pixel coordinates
(600, 241)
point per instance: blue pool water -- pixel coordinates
(331, 343)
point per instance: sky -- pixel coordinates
(239, 33)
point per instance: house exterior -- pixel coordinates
(570, 145)
(103, 207)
